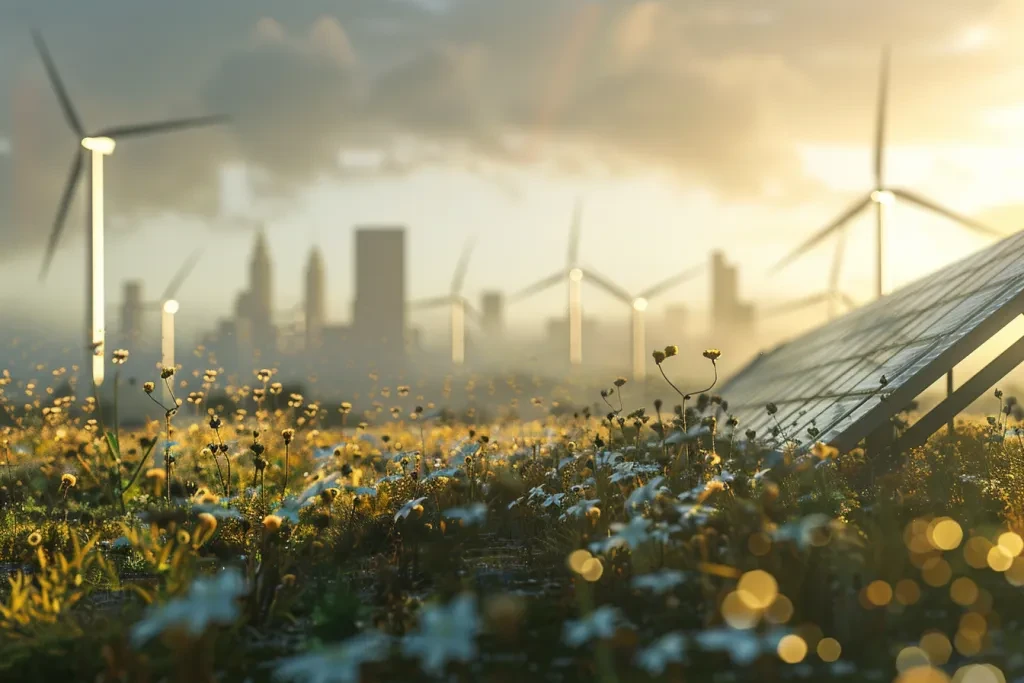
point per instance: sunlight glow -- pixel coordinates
(640, 304)
(171, 306)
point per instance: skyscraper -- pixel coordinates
(732, 321)
(493, 313)
(259, 306)
(315, 300)
(378, 312)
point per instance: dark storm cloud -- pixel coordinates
(720, 92)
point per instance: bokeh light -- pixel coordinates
(979, 673)
(963, 591)
(758, 589)
(1011, 542)
(936, 572)
(923, 674)
(911, 657)
(759, 544)
(780, 611)
(976, 552)
(999, 559)
(792, 649)
(907, 592)
(736, 612)
(937, 646)
(1015, 574)
(879, 593)
(576, 560)
(829, 649)
(592, 569)
(945, 534)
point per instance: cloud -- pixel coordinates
(721, 94)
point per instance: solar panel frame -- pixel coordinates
(830, 377)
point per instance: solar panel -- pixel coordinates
(831, 378)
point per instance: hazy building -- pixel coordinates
(258, 309)
(732, 320)
(492, 313)
(131, 313)
(315, 300)
(378, 312)
(723, 290)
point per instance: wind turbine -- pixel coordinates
(638, 305)
(882, 195)
(98, 145)
(169, 310)
(573, 273)
(457, 303)
(832, 296)
(132, 309)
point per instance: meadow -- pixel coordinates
(253, 534)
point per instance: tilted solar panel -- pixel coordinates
(831, 378)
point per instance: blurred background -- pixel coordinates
(397, 174)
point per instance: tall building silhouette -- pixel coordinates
(731, 318)
(378, 312)
(258, 306)
(492, 312)
(315, 300)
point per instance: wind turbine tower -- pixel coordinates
(98, 145)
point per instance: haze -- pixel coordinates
(683, 126)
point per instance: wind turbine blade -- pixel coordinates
(471, 312)
(669, 283)
(183, 272)
(434, 302)
(538, 286)
(880, 118)
(825, 232)
(143, 129)
(460, 268)
(837, 262)
(574, 234)
(847, 300)
(58, 85)
(928, 204)
(62, 211)
(607, 285)
(798, 304)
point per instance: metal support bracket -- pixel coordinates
(967, 394)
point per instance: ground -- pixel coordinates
(280, 539)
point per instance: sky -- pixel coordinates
(683, 126)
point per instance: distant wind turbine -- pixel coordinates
(98, 145)
(638, 305)
(131, 311)
(882, 196)
(832, 296)
(457, 303)
(574, 274)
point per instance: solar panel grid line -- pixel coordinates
(903, 392)
(783, 359)
(882, 324)
(895, 369)
(909, 333)
(906, 298)
(881, 349)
